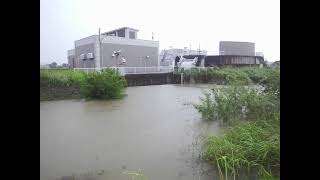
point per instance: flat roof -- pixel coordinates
(120, 29)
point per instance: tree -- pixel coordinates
(53, 65)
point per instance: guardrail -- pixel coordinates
(132, 70)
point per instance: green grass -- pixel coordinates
(58, 78)
(233, 103)
(93, 85)
(246, 148)
(251, 140)
(227, 75)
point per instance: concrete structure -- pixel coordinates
(233, 60)
(117, 46)
(236, 48)
(71, 58)
(167, 57)
(230, 54)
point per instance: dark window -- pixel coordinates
(121, 33)
(132, 35)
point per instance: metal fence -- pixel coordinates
(132, 70)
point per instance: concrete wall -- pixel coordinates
(135, 52)
(84, 49)
(236, 48)
(135, 55)
(71, 58)
(71, 61)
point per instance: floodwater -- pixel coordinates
(154, 129)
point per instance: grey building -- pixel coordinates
(71, 58)
(231, 53)
(233, 60)
(236, 48)
(117, 46)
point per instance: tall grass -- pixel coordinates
(251, 141)
(234, 103)
(107, 84)
(58, 78)
(227, 75)
(249, 147)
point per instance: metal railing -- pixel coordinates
(132, 70)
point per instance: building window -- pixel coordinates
(132, 35)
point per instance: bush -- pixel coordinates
(235, 103)
(103, 85)
(207, 107)
(252, 142)
(272, 83)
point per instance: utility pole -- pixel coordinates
(100, 50)
(152, 35)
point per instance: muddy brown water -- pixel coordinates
(154, 129)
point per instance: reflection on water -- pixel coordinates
(154, 128)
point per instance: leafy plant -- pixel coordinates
(236, 102)
(103, 85)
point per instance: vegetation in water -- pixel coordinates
(103, 85)
(233, 103)
(251, 141)
(249, 147)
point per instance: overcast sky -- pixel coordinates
(176, 23)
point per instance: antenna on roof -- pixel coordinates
(152, 35)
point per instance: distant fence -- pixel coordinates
(132, 70)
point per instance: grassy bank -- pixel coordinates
(243, 75)
(67, 84)
(250, 143)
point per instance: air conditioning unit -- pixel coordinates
(90, 55)
(82, 57)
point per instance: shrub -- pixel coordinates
(236, 102)
(272, 82)
(252, 143)
(207, 107)
(103, 85)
